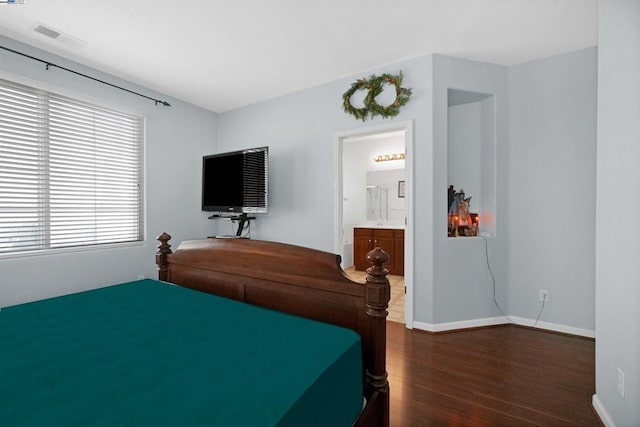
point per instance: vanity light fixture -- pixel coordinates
(387, 157)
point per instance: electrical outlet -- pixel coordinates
(621, 383)
(544, 295)
(140, 277)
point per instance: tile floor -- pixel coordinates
(396, 304)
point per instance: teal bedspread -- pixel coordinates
(147, 353)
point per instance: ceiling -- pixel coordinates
(225, 54)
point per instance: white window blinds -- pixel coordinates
(70, 172)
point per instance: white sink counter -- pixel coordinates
(389, 226)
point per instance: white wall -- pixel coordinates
(617, 238)
(176, 139)
(354, 178)
(358, 162)
(552, 176)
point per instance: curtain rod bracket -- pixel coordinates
(51, 64)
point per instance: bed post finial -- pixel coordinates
(378, 293)
(164, 249)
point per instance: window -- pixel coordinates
(70, 172)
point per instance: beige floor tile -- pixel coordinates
(396, 303)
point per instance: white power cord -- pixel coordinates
(493, 281)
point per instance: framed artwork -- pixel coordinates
(401, 189)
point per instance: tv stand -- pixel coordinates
(243, 219)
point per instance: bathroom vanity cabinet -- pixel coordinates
(390, 240)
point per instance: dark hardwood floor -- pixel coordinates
(498, 376)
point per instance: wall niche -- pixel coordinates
(471, 153)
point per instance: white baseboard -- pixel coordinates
(490, 321)
(589, 333)
(463, 324)
(602, 412)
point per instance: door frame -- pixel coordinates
(407, 127)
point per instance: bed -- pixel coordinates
(280, 337)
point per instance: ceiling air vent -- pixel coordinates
(49, 32)
(54, 34)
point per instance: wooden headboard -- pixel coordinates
(296, 280)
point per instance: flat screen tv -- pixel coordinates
(236, 182)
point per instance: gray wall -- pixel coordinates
(176, 139)
(451, 281)
(300, 130)
(618, 239)
(462, 288)
(552, 176)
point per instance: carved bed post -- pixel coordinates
(378, 293)
(164, 249)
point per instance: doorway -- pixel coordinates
(374, 195)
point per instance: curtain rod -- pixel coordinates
(51, 64)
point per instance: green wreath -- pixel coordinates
(358, 113)
(374, 84)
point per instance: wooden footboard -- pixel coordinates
(296, 280)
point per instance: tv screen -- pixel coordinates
(236, 182)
